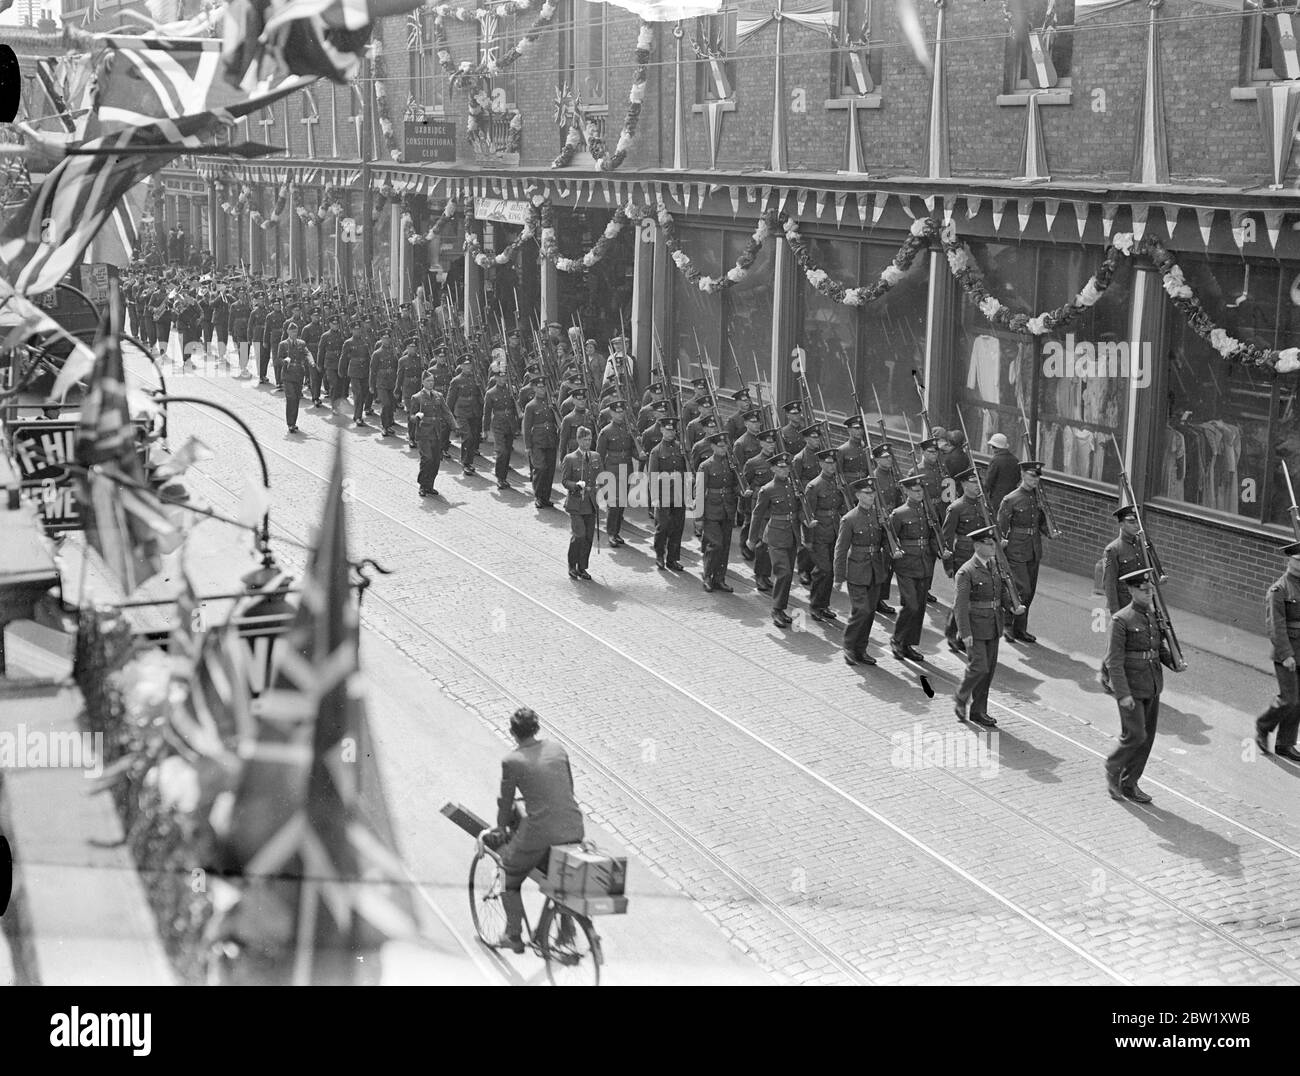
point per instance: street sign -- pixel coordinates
(501, 211)
(429, 140)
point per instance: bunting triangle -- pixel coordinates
(1171, 219)
(591, 191)
(1107, 218)
(701, 191)
(905, 203)
(973, 206)
(1139, 213)
(878, 207)
(767, 195)
(840, 198)
(861, 200)
(1273, 225)
(929, 201)
(949, 204)
(751, 195)
(608, 191)
(734, 192)
(819, 203)
(1051, 206)
(1024, 207)
(800, 200)
(1080, 216)
(999, 207)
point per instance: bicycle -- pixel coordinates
(565, 938)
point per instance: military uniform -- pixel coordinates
(356, 360)
(1282, 621)
(776, 524)
(825, 504)
(757, 473)
(434, 418)
(1121, 557)
(1022, 522)
(791, 437)
(579, 475)
(541, 435)
(569, 426)
(716, 482)
(619, 453)
(311, 334)
(292, 359)
(383, 383)
(978, 607)
(914, 570)
(1133, 661)
(329, 350)
(963, 516)
(256, 330)
(861, 562)
(220, 322)
(272, 333)
(240, 311)
(667, 474)
(499, 416)
(465, 399)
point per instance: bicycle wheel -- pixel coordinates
(487, 881)
(570, 947)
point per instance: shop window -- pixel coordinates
(856, 64)
(882, 342)
(588, 54)
(746, 315)
(1271, 41)
(1227, 428)
(1072, 387)
(426, 75)
(715, 36)
(601, 297)
(1040, 48)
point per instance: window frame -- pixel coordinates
(1016, 63)
(842, 84)
(720, 26)
(577, 42)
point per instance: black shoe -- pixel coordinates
(725, 588)
(913, 653)
(615, 540)
(1261, 741)
(470, 470)
(866, 658)
(503, 485)
(583, 573)
(830, 614)
(424, 493)
(745, 551)
(984, 720)
(1025, 637)
(960, 710)
(278, 388)
(1112, 786)
(263, 380)
(850, 658)
(1136, 794)
(897, 651)
(390, 432)
(659, 563)
(573, 573)
(293, 429)
(675, 566)
(820, 614)
(1009, 635)
(1288, 752)
(434, 493)
(956, 646)
(931, 599)
(885, 609)
(764, 586)
(466, 471)
(362, 422)
(780, 619)
(710, 587)
(513, 942)
(805, 579)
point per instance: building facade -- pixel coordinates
(1035, 144)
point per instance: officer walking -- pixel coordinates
(981, 596)
(861, 562)
(357, 359)
(383, 382)
(293, 360)
(777, 524)
(914, 567)
(579, 475)
(430, 410)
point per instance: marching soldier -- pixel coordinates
(1133, 660)
(804, 467)
(776, 524)
(293, 359)
(1120, 558)
(647, 416)
(189, 320)
(574, 420)
(716, 482)
(256, 330)
(383, 383)
(465, 399)
(355, 359)
(430, 410)
(311, 334)
(962, 519)
(695, 428)
(735, 427)
(531, 371)
(220, 320)
(757, 473)
(206, 295)
(654, 433)
(272, 332)
(914, 568)
(619, 454)
(890, 497)
(579, 476)
(1022, 523)
(981, 596)
(499, 416)
(702, 447)
(824, 505)
(932, 483)
(1282, 621)
(162, 320)
(668, 494)
(541, 436)
(861, 562)
(791, 434)
(240, 310)
(691, 407)
(410, 376)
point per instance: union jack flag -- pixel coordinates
(295, 832)
(124, 519)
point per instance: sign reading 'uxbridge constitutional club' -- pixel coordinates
(429, 140)
(41, 449)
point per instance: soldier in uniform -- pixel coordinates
(695, 428)
(889, 496)
(757, 473)
(1121, 557)
(499, 416)
(735, 425)
(430, 410)
(964, 516)
(691, 407)
(220, 320)
(1282, 621)
(329, 349)
(272, 331)
(531, 371)
(668, 494)
(240, 310)
(804, 467)
(791, 436)
(410, 376)
(577, 417)
(619, 455)
(1022, 524)
(702, 447)
(914, 568)
(162, 319)
(646, 417)
(311, 334)
(824, 504)
(256, 330)
(981, 597)
(777, 526)
(716, 482)
(1133, 659)
(293, 359)
(579, 474)
(206, 294)
(189, 316)
(356, 360)
(861, 562)
(465, 399)
(541, 436)
(383, 382)
(932, 483)
(654, 433)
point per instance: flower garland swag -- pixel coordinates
(734, 275)
(464, 75)
(550, 249)
(473, 249)
(607, 161)
(381, 102)
(449, 211)
(917, 240)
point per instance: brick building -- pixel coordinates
(1126, 117)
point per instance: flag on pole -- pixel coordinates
(294, 831)
(124, 519)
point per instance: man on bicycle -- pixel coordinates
(539, 771)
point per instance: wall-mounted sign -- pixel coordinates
(501, 211)
(429, 140)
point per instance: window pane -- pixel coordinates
(748, 312)
(693, 311)
(589, 51)
(828, 329)
(892, 334)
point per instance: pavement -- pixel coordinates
(833, 825)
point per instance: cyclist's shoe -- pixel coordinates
(513, 942)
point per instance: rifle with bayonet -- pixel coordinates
(1028, 448)
(672, 390)
(1147, 551)
(1294, 510)
(931, 515)
(1000, 562)
(891, 539)
(926, 428)
(706, 368)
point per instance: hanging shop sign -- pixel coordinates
(501, 211)
(429, 140)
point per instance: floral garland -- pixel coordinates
(607, 161)
(449, 211)
(916, 241)
(480, 113)
(474, 249)
(962, 265)
(381, 106)
(734, 275)
(572, 140)
(550, 249)
(464, 75)
(330, 204)
(384, 193)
